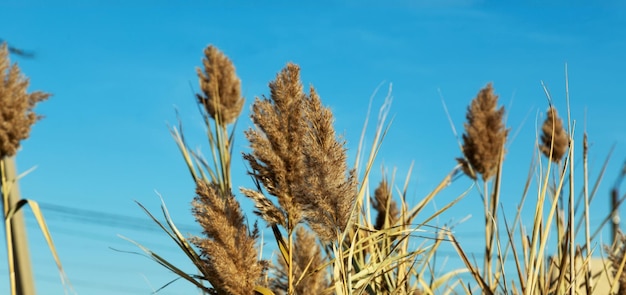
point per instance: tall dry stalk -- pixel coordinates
(539, 268)
(221, 101)
(220, 104)
(227, 257)
(298, 159)
(16, 119)
(483, 150)
(554, 143)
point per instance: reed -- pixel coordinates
(334, 234)
(17, 117)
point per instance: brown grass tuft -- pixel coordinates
(228, 249)
(298, 159)
(331, 189)
(277, 158)
(16, 105)
(307, 261)
(221, 88)
(265, 208)
(484, 136)
(552, 129)
(385, 206)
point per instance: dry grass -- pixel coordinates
(221, 88)
(485, 135)
(554, 140)
(483, 150)
(228, 247)
(17, 116)
(309, 269)
(334, 235)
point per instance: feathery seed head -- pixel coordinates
(552, 131)
(485, 135)
(298, 158)
(331, 188)
(229, 247)
(265, 208)
(385, 206)
(221, 88)
(16, 105)
(277, 159)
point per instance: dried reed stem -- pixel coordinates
(221, 101)
(16, 119)
(483, 150)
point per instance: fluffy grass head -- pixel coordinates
(299, 159)
(228, 247)
(554, 139)
(387, 212)
(221, 88)
(16, 105)
(485, 135)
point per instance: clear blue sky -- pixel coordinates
(117, 71)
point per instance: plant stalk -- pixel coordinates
(20, 271)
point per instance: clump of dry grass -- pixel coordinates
(221, 88)
(485, 135)
(297, 158)
(554, 139)
(16, 114)
(228, 247)
(310, 273)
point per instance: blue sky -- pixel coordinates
(117, 71)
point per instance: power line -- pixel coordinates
(110, 219)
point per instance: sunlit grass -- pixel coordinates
(351, 234)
